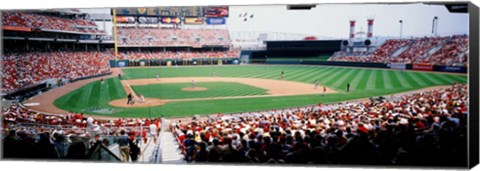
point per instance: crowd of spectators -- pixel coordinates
(30, 68)
(352, 57)
(427, 128)
(173, 37)
(380, 55)
(450, 51)
(416, 50)
(179, 54)
(29, 134)
(40, 21)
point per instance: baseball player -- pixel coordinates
(158, 77)
(193, 84)
(142, 99)
(130, 98)
(281, 75)
(316, 84)
(324, 90)
(348, 87)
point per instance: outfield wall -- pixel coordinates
(173, 62)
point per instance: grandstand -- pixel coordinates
(446, 51)
(352, 133)
(167, 43)
(73, 90)
(173, 37)
(50, 22)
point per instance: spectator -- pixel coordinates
(77, 149)
(396, 130)
(123, 142)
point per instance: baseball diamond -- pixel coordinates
(239, 95)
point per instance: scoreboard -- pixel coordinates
(211, 15)
(162, 11)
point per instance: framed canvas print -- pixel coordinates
(389, 85)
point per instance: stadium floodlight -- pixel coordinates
(401, 27)
(435, 26)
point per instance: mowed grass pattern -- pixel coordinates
(214, 89)
(92, 95)
(363, 83)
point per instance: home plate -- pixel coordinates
(31, 104)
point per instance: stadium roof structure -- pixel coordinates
(100, 17)
(68, 11)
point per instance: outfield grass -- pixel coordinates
(363, 83)
(215, 89)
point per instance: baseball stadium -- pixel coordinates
(234, 84)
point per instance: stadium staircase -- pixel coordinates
(433, 50)
(398, 52)
(430, 52)
(171, 154)
(457, 58)
(164, 151)
(148, 152)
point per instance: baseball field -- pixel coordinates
(185, 91)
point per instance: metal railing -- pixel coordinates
(158, 149)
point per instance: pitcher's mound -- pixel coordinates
(194, 89)
(148, 102)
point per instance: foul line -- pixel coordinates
(128, 89)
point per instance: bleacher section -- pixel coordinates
(49, 23)
(29, 68)
(448, 51)
(172, 37)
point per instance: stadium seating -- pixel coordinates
(179, 54)
(25, 69)
(31, 20)
(172, 37)
(417, 48)
(22, 126)
(396, 130)
(448, 51)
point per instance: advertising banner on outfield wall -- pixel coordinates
(216, 11)
(189, 20)
(122, 19)
(398, 66)
(458, 69)
(422, 67)
(215, 21)
(170, 20)
(16, 28)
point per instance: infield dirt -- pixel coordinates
(273, 87)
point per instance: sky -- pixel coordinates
(332, 20)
